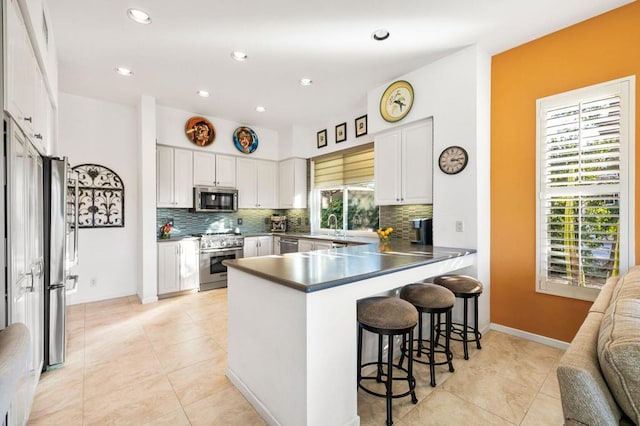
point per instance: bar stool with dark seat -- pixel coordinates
(433, 300)
(387, 316)
(464, 287)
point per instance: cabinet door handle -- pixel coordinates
(29, 119)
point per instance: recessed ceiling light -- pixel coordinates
(306, 81)
(239, 56)
(203, 93)
(140, 16)
(380, 35)
(124, 71)
(260, 108)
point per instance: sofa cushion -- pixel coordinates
(619, 344)
(586, 399)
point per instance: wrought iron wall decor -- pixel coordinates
(100, 197)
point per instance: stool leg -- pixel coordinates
(359, 354)
(464, 331)
(438, 329)
(403, 349)
(389, 383)
(379, 364)
(432, 353)
(475, 319)
(412, 380)
(447, 340)
(420, 344)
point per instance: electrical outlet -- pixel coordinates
(239, 221)
(459, 226)
(93, 283)
(299, 221)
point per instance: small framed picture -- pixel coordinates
(361, 126)
(341, 132)
(322, 138)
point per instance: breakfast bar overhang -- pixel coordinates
(292, 336)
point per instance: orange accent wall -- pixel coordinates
(601, 49)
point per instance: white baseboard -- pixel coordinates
(530, 336)
(253, 400)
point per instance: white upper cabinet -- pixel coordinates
(174, 177)
(21, 71)
(404, 165)
(293, 183)
(257, 183)
(214, 170)
(27, 98)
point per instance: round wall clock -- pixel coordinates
(245, 140)
(453, 160)
(396, 101)
(200, 131)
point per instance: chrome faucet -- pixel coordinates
(335, 222)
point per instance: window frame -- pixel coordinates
(625, 88)
(316, 209)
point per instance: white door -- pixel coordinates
(168, 267)
(387, 169)
(417, 160)
(226, 171)
(204, 169)
(183, 178)
(246, 183)
(189, 265)
(267, 184)
(25, 239)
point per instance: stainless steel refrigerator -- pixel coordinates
(60, 253)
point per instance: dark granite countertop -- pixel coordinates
(322, 269)
(316, 236)
(176, 238)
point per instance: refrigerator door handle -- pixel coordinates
(76, 220)
(74, 288)
(31, 287)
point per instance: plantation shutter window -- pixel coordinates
(583, 202)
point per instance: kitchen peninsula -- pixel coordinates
(292, 323)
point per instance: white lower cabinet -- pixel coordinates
(258, 246)
(178, 265)
(311, 245)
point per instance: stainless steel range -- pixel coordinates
(214, 248)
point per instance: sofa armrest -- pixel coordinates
(586, 399)
(14, 348)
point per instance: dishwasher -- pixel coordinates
(288, 245)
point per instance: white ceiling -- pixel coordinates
(187, 47)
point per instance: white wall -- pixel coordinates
(455, 91)
(98, 132)
(170, 128)
(309, 135)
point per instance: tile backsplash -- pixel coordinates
(186, 222)
(399, 217)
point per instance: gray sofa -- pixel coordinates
(599, 374)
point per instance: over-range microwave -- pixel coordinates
(212, 199)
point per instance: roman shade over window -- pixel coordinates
(583, 202)
(346, 167)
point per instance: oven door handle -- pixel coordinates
(210, 251)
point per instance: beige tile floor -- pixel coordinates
(164, 364)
